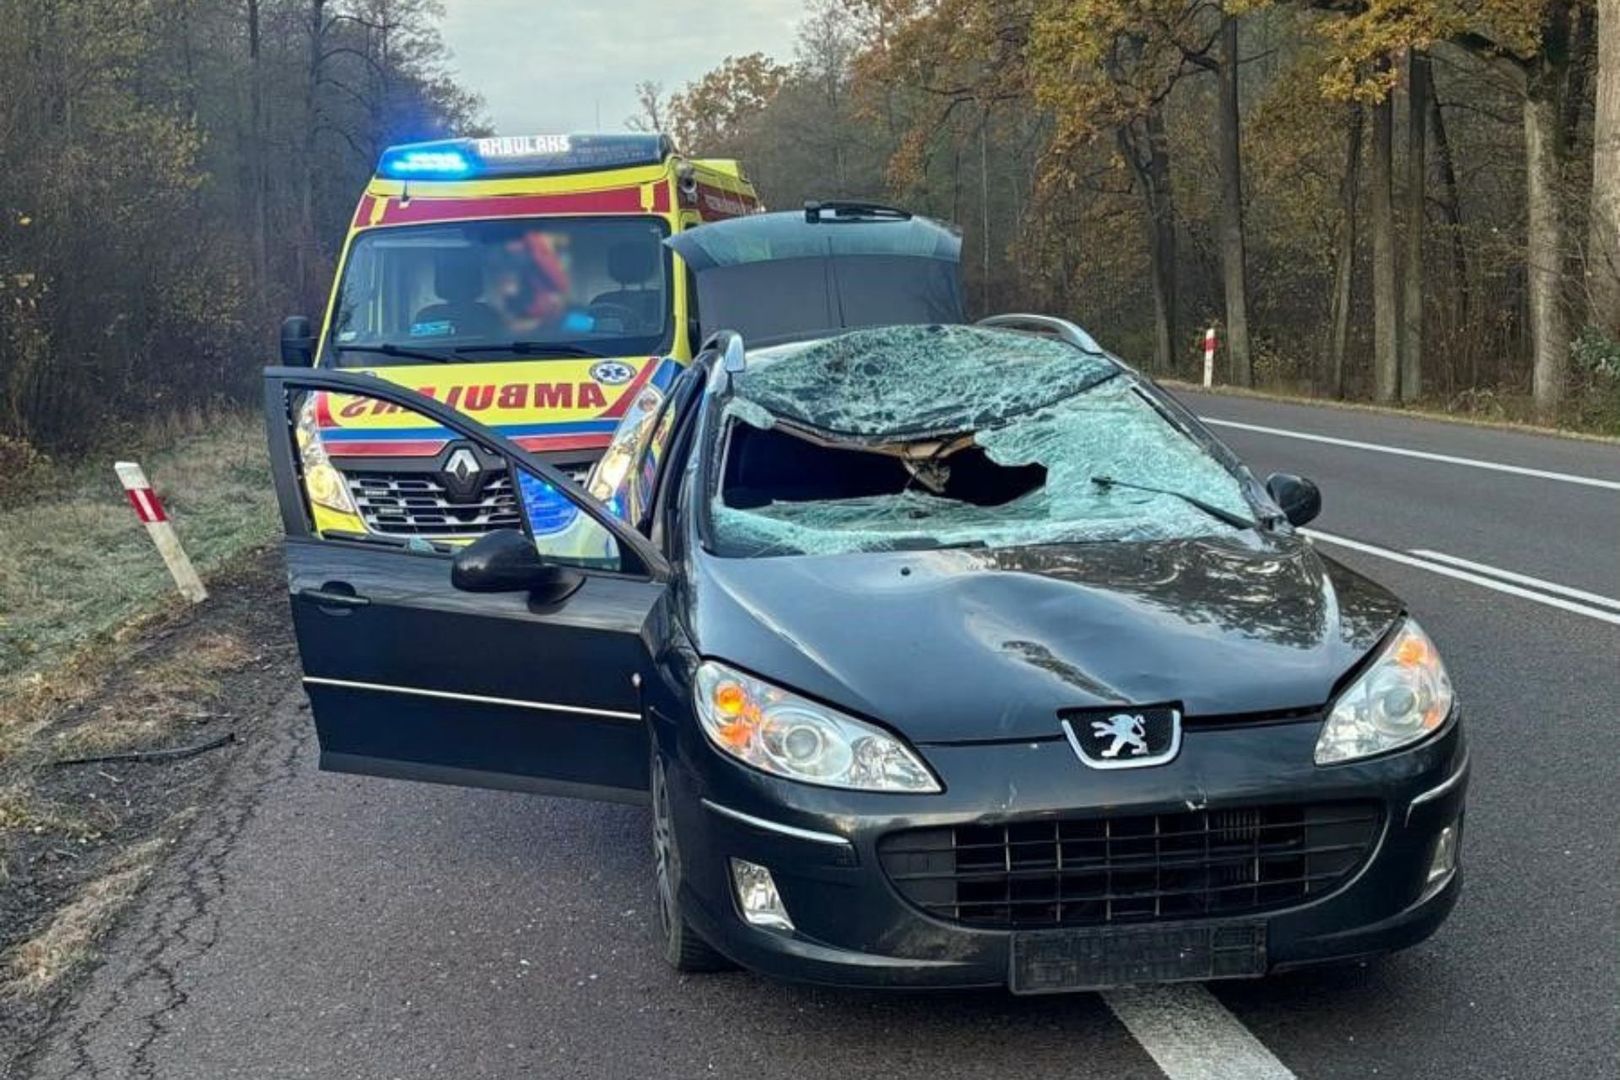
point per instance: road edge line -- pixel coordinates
(1465, 575)
(1424, 455)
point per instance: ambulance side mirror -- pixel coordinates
(297, 341)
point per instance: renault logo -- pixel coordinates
(463, 465)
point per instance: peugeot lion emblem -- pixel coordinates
(1126, 730)
(463, 465)
(1117, 739)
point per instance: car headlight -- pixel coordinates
(322, 480)
(1402, 697)
(782, 733)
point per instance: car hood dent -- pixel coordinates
(963, 645)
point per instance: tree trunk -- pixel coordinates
(306, 172)
(1344, 262)
(1447, 164)
(1417, 116)
(1240, 365)
(1147, 148)
(258, 166)
(1549, 331)
(1603, 230)
(1386, 302)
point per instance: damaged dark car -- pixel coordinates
(944, 654)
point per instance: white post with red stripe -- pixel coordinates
(1209, 357)
(150, 511)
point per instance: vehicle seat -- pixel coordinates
(458, 280)
(633, 266)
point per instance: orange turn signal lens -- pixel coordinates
(1412, 651)
(730, 699)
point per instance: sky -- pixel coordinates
(558, 65)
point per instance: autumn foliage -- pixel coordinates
(1409, 244)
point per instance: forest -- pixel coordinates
(1410, 202)
(177, 175)
(1402, 201)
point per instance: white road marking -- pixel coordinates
(1468, 576)
(1523, 579)
(1402, 451)
(1191, 1036)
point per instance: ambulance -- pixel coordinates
(521, 280)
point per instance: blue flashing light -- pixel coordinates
(407, 163)
(521, 155)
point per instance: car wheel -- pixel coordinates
(684, 950)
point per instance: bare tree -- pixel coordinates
(1417, 119)
(1233, 255)
(650, 102)
(1603, 229)
(1344, 257)
(1386, 299)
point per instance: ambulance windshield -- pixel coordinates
(598, 286)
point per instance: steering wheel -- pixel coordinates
(624, 315)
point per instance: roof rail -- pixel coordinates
(852, 210)
(1047, 326)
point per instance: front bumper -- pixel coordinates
(853, 928)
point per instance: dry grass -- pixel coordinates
(70, 937)
(168, 695)
(78, 564)
(22, 811)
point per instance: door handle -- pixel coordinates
(335, 594)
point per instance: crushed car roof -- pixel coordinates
(916, 381)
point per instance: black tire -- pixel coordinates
(683, 948)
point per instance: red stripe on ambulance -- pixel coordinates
(419, 209)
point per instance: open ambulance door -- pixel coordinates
(534, 685)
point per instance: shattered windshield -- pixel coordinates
(919, 437)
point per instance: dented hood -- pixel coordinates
(968, 645)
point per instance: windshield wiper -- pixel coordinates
(1237, 521)
(388, 348)
(534, 348)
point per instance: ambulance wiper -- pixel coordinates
(1237, 521)
(534, 348)
(388, 348)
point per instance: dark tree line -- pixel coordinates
(174, 175)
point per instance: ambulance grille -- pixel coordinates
(404, 504)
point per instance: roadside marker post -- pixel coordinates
(150, 511)
(1209, 357)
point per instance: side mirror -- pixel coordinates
(1298, 498)
(297, 341)
(506, 561)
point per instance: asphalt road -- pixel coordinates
(327, 926)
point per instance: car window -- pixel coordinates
(599, 284)
(378, 472)
(777, 277)
(924, 437)
(643, 480)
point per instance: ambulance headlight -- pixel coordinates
(323, 482)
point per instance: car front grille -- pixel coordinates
(1130, 869)
(416, 504)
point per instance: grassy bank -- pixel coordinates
(99, 656)
(77, 562)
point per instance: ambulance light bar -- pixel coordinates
(521, 155)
